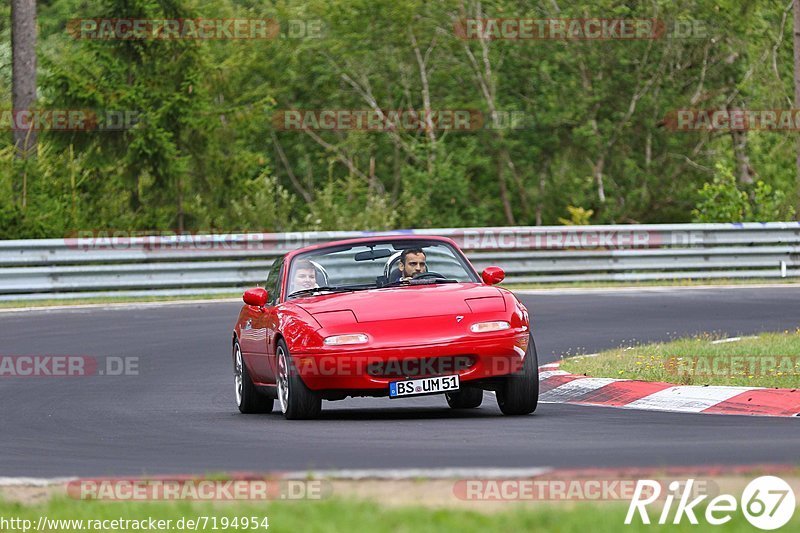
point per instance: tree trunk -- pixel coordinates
(744, 172)
(598, 178)
(797, 92)
(180, 205)
(501, 180)
(540, 201)
(23, 59)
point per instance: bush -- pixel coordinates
(723, 200)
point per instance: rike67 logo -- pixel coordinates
(767, 502)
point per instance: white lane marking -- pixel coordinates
(656, 288)
(549, 365)
(420, 473)
(574, 389)
(732, 339)
(118, 305)
(577, 357)
(550, 373)
(687, 399)
(33, 481)
(354, 474)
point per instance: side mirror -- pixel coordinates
(257, 297)
(493, 275)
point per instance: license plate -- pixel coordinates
(418, 387)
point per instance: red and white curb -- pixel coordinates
(558, 386)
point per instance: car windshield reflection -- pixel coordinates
(377, 265)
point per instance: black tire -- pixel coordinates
(248, 399)
(519, 395)
(468, 398)
(297, 401)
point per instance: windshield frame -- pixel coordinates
(394, 242)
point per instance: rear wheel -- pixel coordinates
(468, 398)
(248, 399)
(297, 401)
(519, 395)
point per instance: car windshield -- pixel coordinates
(375, 265)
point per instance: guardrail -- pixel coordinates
(105, 263)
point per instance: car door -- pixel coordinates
(271, 318)
(255, 334)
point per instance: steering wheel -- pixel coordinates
(429, 275)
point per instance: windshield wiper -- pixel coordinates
(415, 281)
(342, 288)
(315, 289)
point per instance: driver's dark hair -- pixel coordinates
(410, 251)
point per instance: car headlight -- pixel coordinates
(485, 327)
(352, 338)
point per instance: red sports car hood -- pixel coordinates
(408, 302)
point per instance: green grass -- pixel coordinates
(768, 360)
(341, 515)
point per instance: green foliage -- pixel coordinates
(207, 156)
(348, 204)
(722, 200)
(262, 204)
(578, 216)
(770, 205)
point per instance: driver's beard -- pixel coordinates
(404, 274)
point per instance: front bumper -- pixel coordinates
(346, 368)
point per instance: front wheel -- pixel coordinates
(468, 398)
(248, 399)
(297, 401)
(519, 395)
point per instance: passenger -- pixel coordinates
(305, 277)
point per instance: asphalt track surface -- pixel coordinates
(178, 415)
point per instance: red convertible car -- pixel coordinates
(396, 316)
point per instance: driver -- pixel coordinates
(412, 263)
(305, 277)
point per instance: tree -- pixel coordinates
(23, 51)
(797, 89)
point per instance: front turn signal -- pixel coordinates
(485, 327)
(339, 340)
